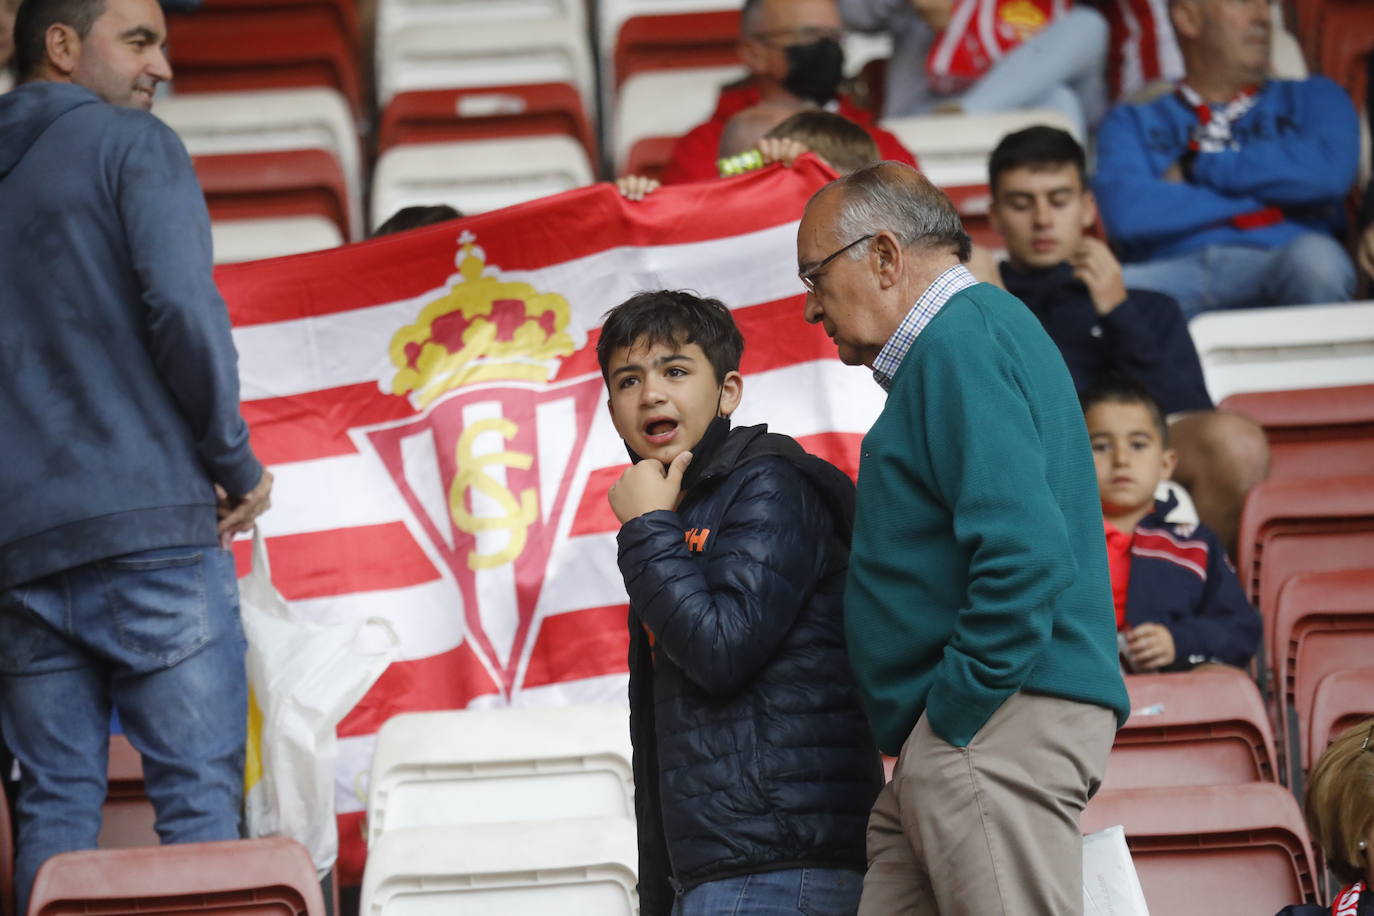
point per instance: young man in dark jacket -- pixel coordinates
(755, 768)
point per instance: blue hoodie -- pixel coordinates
(120, 401)
(1297, 149)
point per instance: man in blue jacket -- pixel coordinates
(1226, 193)
(126, 466)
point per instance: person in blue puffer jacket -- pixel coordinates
(755, 767)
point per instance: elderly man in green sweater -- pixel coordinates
(978, 610)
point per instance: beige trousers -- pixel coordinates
(991, 828)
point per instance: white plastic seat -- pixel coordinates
(444, 55)
(1286, 61)
(477, 175)
(1277, 349)
(394, 15)
(953, 149)
(254, 239)
(512, 764)
(667, 103)
(575, 867)
(270, 119)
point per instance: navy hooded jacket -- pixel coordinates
(120, 402)
(752, 751)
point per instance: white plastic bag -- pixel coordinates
(1110, 884)
(303, 678)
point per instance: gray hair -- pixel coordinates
(896, 198)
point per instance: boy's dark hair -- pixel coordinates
(408, 218)
(1038, 147)
(835, 138)
(1116, 388)
(35, 17)
(673, 318)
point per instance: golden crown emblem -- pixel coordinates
(1024, 17)
(483, 329)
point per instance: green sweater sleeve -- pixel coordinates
(988, 466)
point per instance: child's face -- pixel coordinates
(662, 397)
(1131, 459)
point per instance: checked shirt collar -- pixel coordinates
(890, 357)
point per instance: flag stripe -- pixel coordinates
(580, 644)
(450, 680)
(334, 562)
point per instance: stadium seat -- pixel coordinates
(272, 876)
(439, 769)
(128, 819)
(271, 120)
(344, 12)
(1193, 728)
(674, 41)
(1343, 36)
(484, 54)
(395, 15)
(1286, 59)
(279, 47)
(1239, 849)
(664, 105)
(953, 149)
(1324, 623)
(1313, 432)
(1344, 699)
(1271, 349)
(303, 182)
(1300, 525)
(576, 867)
(477, 175)
(974, 201)
(437, 115)
(272, 237)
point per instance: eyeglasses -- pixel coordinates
(809, 277)
(803, 35)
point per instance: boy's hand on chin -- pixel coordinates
(647, 487)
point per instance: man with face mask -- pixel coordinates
(792, 51)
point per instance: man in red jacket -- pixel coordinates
(792, 51)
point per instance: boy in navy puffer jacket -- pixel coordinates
(755, 767)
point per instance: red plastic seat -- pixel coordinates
(272, 876)
(263, 49)
(1343, 700)
(478, 113)
(1324, 624)
(301, 182)
(1346, 39)
(128, 818)
(1212, 849)
(673, 40)
(1300, 525)
(1314, 432)
(973, 203)
(344, 12)
(1192, 728)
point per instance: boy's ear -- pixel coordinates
(1089, 210)
(1169, 460)
(731, 393)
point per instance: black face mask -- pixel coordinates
(717, 431)
(814, 70)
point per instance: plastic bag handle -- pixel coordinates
(260, 561)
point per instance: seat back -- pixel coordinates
(577, 867)
(665, 103)
(1324, 623)
(1343, 700)
(1234, 849)
(272, 876)
(512, 764)
(127, 816)
(1192, 728)
(238, 240)
(1270, 349)
(953, 149)
(281, 183)
(1313, 432)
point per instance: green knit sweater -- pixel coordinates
(978, 565)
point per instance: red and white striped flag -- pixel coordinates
(433, 411)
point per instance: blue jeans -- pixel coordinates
(156, 635)
(1310, 270)
(808, 891)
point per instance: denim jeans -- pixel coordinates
(808, 891)
(1310, 270)
(156, 635)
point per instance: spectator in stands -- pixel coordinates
(408, 218)
(754, 764)
(792, 51)
(7, 11)
(128, 468)
(989, 55)
(1226, 193)
(977, 604)
(1178, 601)
(1340, 816)
(1071, 281)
